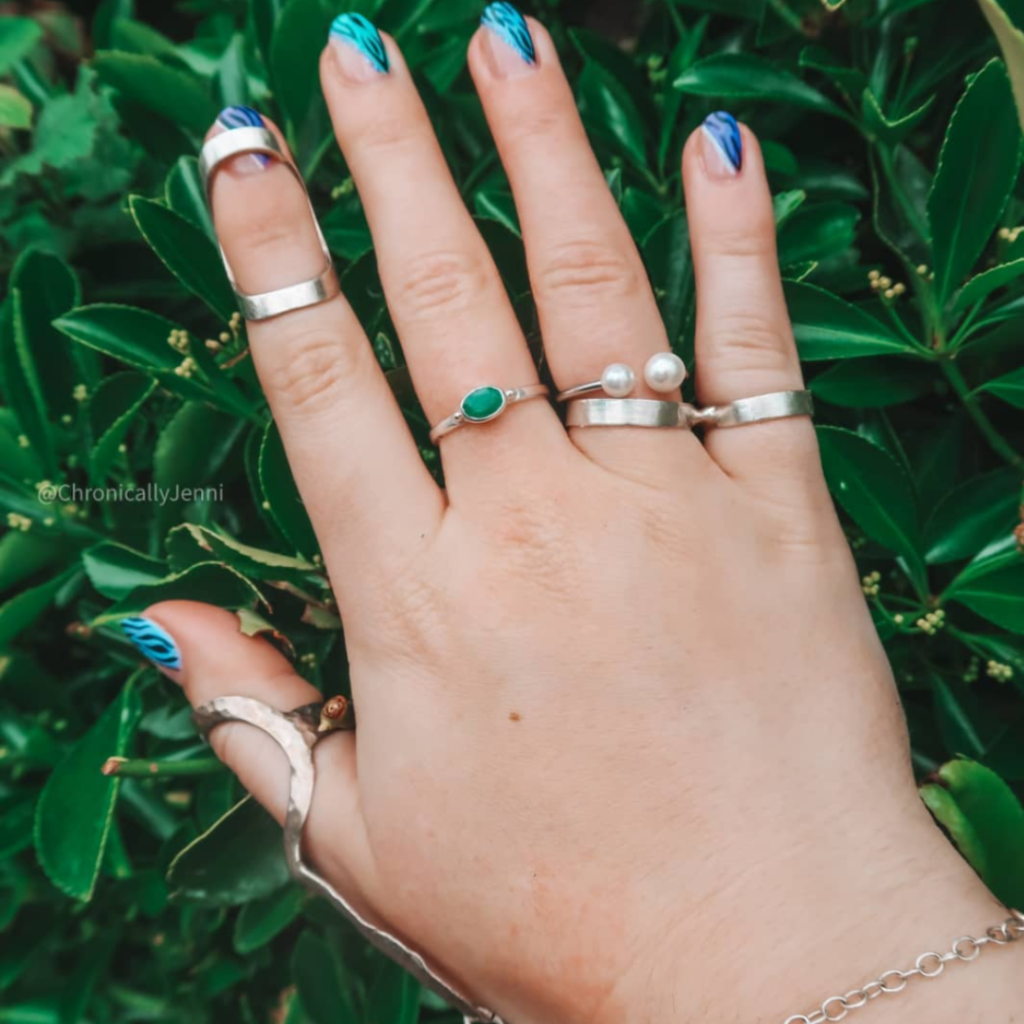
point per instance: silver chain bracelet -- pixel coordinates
(966, 950)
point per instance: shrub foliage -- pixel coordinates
(893, 147)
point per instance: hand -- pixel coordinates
(628, 745)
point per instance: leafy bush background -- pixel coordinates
(893, 147)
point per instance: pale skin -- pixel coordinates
(629, 748)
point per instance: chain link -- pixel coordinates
(966, 950)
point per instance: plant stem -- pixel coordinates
(140, 768)
(996, 441)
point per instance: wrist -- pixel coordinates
(782, 942)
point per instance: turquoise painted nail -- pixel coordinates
(361, 34)
(510, 26)
(153, 641)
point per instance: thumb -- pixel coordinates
(203, 650)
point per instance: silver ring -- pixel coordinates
(483, 404)
(777, 405)
(264, 305)
(628, 412)
(297, 733)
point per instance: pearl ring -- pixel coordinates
(663, 372)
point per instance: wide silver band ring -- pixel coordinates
(297, 733)
(777, 405)
(483, 404)
(265, 305)
(627, 412)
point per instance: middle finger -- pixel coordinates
(448, 302)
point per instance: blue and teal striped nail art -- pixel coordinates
(243, 117)
(361, 33)
(721, 128)
(239, 117)
(153, 641)
(510, 26)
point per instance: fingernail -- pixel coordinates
(359, 48)
(508, 42)
(243, 117)
(723, 145)
(153, 641)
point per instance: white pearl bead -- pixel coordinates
(618, 380)
(664, 372)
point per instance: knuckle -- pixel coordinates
(383, 136)
(755, 237)
(318, 370)
(756, 342)
(265, 234)
(533, 126)
(578, 272)
(440, 284)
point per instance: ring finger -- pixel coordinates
(595, 303)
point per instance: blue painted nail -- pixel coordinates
(358, 32)
(239, 117)
(153, 641)
(510, 26)
(243, 117)
(724, 134)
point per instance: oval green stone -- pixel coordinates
(483, 403)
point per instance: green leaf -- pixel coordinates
(76, 809)
(15, 109)
(785, 204)
(1011, 40)
(259, 921)
(232, 81)
(300, 33)
(827, 327)
(184, 193)
(666, 253)
(972, 516)
(115, 570)
(135, 336)
(49, 288)
(210, 582)
(993, 587)
(1009, 387)
(947, 812)
(189, 451)
(997, 819)
(112, 409)
(609, 112)
(817, 232)
(746, 76)
(148, 82)
(188, 544)
(874, 382)
(286, 504)
(873, 488)
(890, 131)
(22, 387)
(680, 60)
(977, 169)
(26, 607)
(238, 859)
(394, 997)
(264, 18)
(982, 285)
(18, 37)
(186, 252)
(321, 979)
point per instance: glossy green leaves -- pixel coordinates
(75, 812)
(986, 821)
(977, 168)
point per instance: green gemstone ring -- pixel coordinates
(483, 404)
